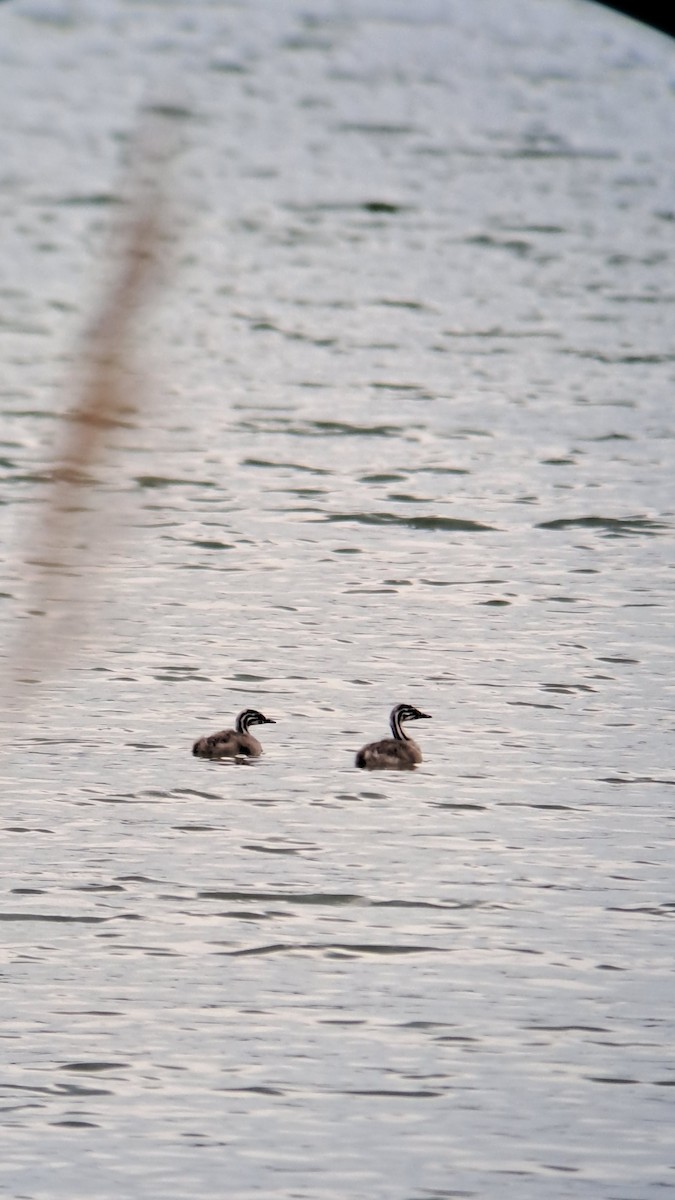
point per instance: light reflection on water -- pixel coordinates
(410, 440)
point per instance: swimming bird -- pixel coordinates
(397, 753)
(234, 743)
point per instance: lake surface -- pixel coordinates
(406, 435)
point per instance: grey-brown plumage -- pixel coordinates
(397, 753)
(234, 743)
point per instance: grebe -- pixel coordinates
(234, 743)
(397, 753)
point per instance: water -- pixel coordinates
(409, 437)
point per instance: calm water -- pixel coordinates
(409, 437)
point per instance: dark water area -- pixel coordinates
(408, 437)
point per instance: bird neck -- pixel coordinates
(397, 729)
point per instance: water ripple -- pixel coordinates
(450, 524)
(612, 526)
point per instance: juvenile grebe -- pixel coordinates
(234, 743)
(397, 753)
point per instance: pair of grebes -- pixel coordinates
(397, 753)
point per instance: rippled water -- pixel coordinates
(411, 438)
